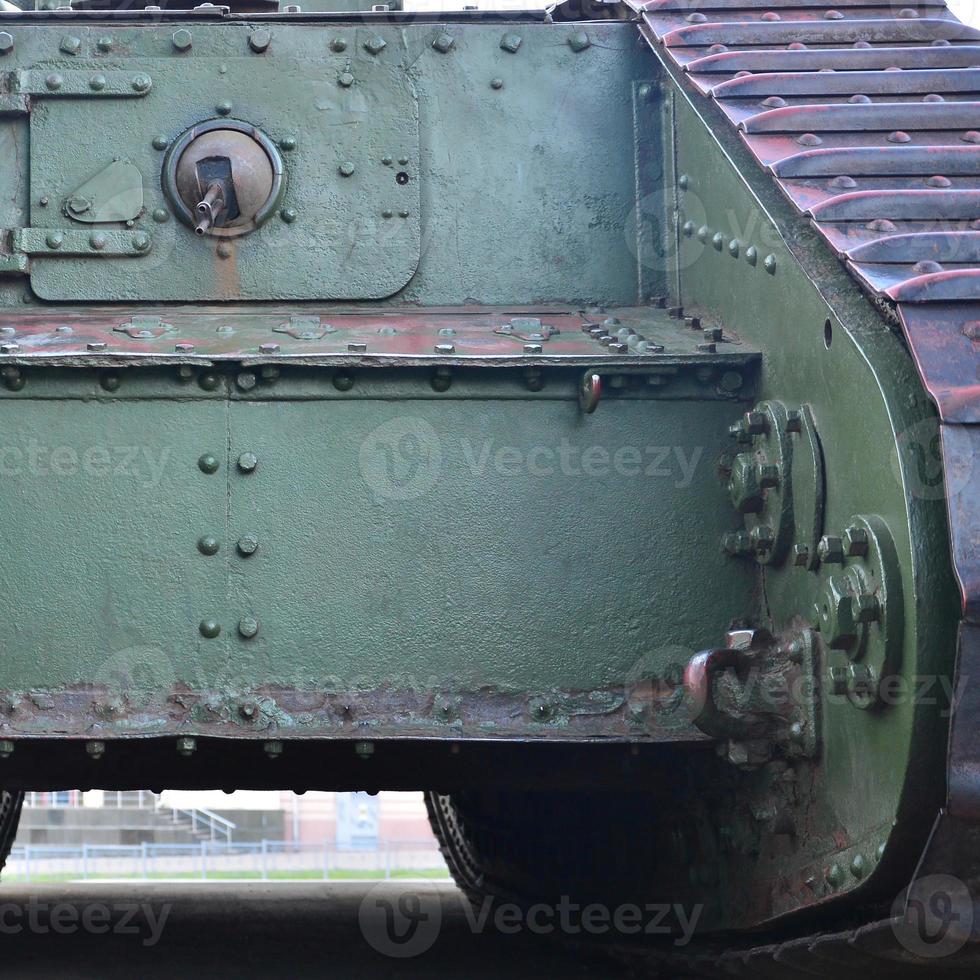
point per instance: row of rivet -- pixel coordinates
(734, 246)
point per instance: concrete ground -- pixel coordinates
(354, 930)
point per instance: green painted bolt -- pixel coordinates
(801, 554)
(208, 545)
(248, 544)
(859, 866)
(375, 45)
(579, 41)
(6, 748)
(54, 81)
(247, 462)
(6, 42)
(703, 233)
(70, 44)
(346, 169)
(855, 541)
(141, 83)
(794, 421)
(98, 241)
(208, 381)
(343, 381)
(208, 463)
(510, 42)
(161, 216)
(209, 628)
(247, 710)
(141, 242)
(444, 43)
(345, 79)
(104, 43)
(248, 627)
(744, 485)
(223, 108)
(338, 44)
(718, 240)
(97, 83)
(273, 749)
(770, 264)
(110, 382)
(865, 608)
(763, 538)
(734, 246)
(182, 39)
(95, 749)
(732, 380)
(186, 746)
(223, 250)
(768, 475)
(160, 142)
(260, 40)
(835, 876)
(830, 549)
(288, 143)
(246, 380)
(737, 543)
(751, 255)
(683, 182)
(54, 239)
(289, 215)
(496, 83)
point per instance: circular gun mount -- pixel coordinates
(223, 177)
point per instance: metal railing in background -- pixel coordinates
(206, 822)
(264, 860)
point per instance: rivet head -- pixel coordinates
(579, 41)
(161, 216)
(898, 137)
(859, 866)
(375, 45)
(269, 348)
(182, 39)
(289, 215)
(54, 81)
(223, 250)
(345, 79)
(6, 42)
(104, 43)
(246, 380)
(141, 83)
(718, 240)
(703, 233)
(248, 544)
(835, 875)
(769, 263)
(97, 83)
(141, 241)
(496, 83)
(688, 228)
(751, 255)
(338, 44)
(444, 43)
(209, 381)
(110, 382)
(95, 749)
(511, 42)
(208, 463)
(54, 239)
(445, 348)
(288, 143)
(683, 182)
(260, 40)
(160, 142)
(208, 545)
(346, 169)
(809, 139)
(96, 345)
(70, 45)
(98, 241)
(248, 627)
(209, 628)
(247, 462)
(734, 247)
(223, 108)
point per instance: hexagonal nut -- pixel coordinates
(865, 608)
(801, 554)
(836, 615)
(754, 423)
(763, 538)
(744, 486)
(830, 549)
(855, 541)
(768, 475)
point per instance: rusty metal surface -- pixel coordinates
(627, 714)
(501, 337)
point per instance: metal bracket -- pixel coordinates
(58, 241)
(75, 84)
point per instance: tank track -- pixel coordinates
(853, 952)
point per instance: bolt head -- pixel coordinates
(763, 538)
(364, 749)
(182, 39)
(835, 876)
(248, 627)
(248, 544)
(865, 608)
(801, 554)
(273, 749)
(744, 485)
(579, 41)
(444, 43)
(95, 749)
(836, 615)
(260, 40)
(768, 475)
(246, 381)
(70, 45)
(346, 169)
(208, 545)
(737, 543)
(208, 463)
(186, 746)
(247, 462)
(754, 423)
(375, 45)
(855, 541)
(6, 42)
(345, 79)
(343, 381)
(830, 549)
(510, 42)
(247, 710)
(209, 628)
(859, 866)
(208, 381)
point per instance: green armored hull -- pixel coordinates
(456, 403)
